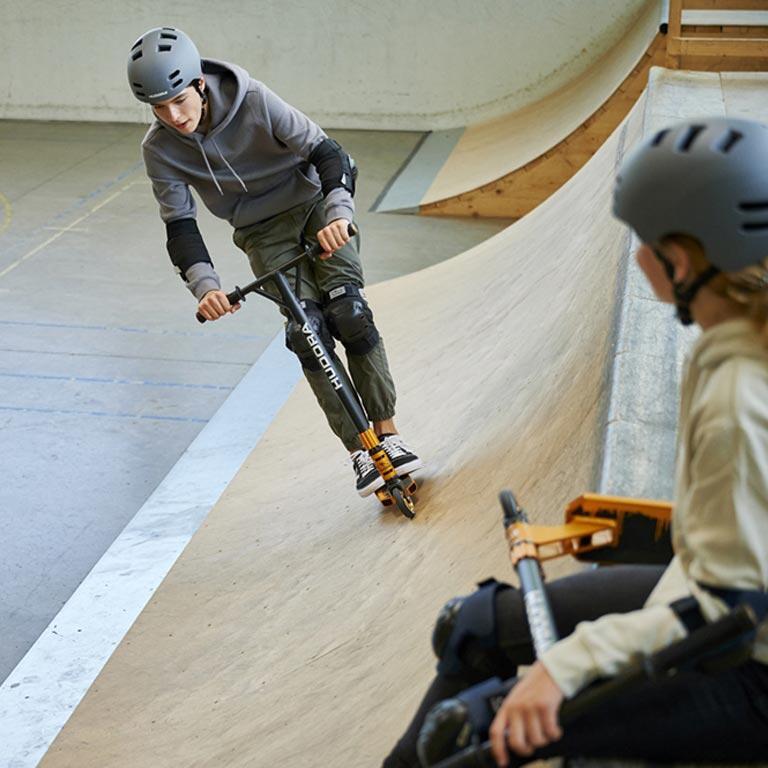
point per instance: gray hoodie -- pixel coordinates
(251, 165)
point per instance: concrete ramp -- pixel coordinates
(507, 166)
(294, 629)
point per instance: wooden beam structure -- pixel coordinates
(718, 35)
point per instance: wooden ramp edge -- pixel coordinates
(519, 191)
(450, 163)
(295, 627)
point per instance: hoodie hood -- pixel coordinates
(251, 165)
(225, 87)
(733, 338)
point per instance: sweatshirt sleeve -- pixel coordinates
(301, 135)
(176, 202)
(705, 516)
(605, 647)
(173, 195)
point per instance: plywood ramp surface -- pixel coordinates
(294, 629)
(490, 150)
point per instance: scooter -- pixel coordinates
(602, 529)
(398, 490)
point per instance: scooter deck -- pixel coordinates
(409, 484)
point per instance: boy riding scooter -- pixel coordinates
(280, 181)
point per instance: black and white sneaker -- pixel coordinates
(368, 477)
(403, 459)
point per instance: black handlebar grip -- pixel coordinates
(317, 249)
(233, 298)
(513, 513)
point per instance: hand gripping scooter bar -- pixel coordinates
(310, 252)
(397, 490)
(462, 722)
(712, 645)
(701, 646)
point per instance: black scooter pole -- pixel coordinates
(461, 719)
(525, 562)
(324, 358)
(290, 302)
(394, 490)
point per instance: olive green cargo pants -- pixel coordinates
(274, 241)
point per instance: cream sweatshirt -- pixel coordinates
(720, 515)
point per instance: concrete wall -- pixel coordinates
(403, 64)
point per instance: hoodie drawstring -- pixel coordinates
(208, 165)
(224, 160)
(231, 169)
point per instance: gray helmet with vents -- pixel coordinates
(161, 64)
(703, 178)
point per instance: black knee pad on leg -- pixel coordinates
(350, 319)
(296, 340)
(464, 638)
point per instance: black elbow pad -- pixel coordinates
(185, 245)
(335, 167)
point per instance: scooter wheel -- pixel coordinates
(404, 503)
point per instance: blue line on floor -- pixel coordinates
(100, 414)
(81, 201)
(99, 380)
(125, 329)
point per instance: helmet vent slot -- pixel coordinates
(163, 48)
(753, 226)
(136, 56)
(137, 44)
(174, 74)
(168, 36)
(729, 141)
(177, 83)
(687, 139)
(754, 205)
(659, 137)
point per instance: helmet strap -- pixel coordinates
(203, 102)
(200, 92)
(685, 294)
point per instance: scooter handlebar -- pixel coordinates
(311, 252)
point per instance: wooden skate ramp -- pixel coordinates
(294, 629)
(507, 166)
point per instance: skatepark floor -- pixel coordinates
(105, 377)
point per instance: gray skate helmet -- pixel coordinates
(703, 178)
(161, 64)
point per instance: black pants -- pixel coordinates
(690, 717)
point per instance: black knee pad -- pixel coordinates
(465, 636)
(296, 340)
(350, 319)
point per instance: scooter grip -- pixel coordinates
(317, 249)
(233, 298)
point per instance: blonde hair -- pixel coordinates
(748, 287)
